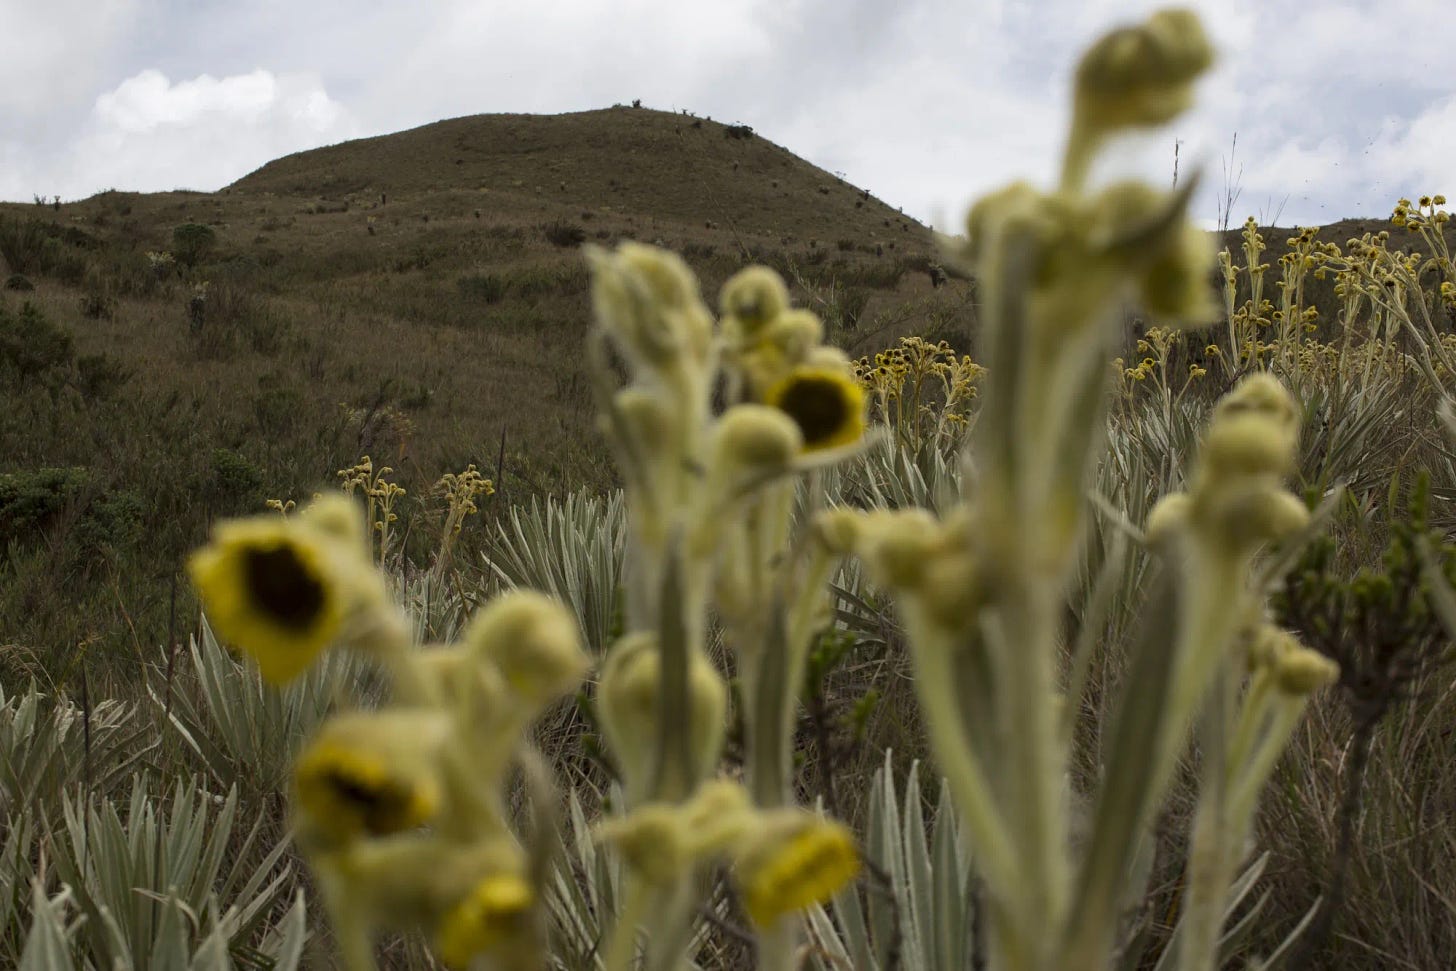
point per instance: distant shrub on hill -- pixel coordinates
(564, 234)
(192, 242)
(30, 343)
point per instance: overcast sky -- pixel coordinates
(1340, 107)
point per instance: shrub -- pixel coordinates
(18, 282)
(564, 234)
(21, 243)
(30, 343)
(31, 501)
(192, 243)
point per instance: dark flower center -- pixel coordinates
(818, 407)
(382, 809)
(282, 587)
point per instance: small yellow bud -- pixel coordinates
(647, 298)
(1174, 287)
(795, 333)
(629, 700)
(1302, 671)
(1256, 514)
(895, 545)
(952, 589)
(654, 840)
(1141, 76)
(757, 438)
(1267, 645)
(827, 356)
(1263, 394)
(341, 517)
(534, 640)
(754, 297)
(1245, 444)
(1168, 518)
(838, 529)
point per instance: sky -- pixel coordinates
(1316, 110)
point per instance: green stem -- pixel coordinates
(622, 946)
(989, 835)
(1210, 858)
(776, 946)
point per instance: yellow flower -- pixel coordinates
(827, 404)
(279, 589)
(800, 860)
(496, 914)
(371, 773)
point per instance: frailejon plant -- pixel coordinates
(403, 810)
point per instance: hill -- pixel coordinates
(418, 297)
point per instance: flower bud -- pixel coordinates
(647, 298)
(339, 516)
(756, 438)
(497, 917)
(895, 545)
(1174, 287)
(629, 701)
(1243, 444)
(754, 297)
(1141, 76)
(1262, 394)
(1302, 671)
(952, 589)
(534, 640)
(837, 529)
(795, 333)
(1267, 645)
(654, 841)
(649, 420)
(1169, 518)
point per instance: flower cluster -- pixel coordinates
(400, 809)
(711, 495)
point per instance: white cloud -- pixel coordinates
(152, 134)
(53, 52)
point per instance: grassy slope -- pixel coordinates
(411, 278)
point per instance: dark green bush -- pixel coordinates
(30, 343)
(234, 482)
(192, 243)
(31, 500)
